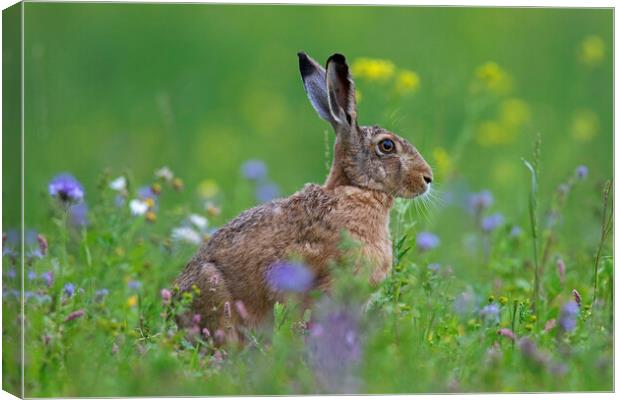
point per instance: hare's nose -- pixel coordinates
(427, 178)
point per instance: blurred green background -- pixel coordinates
(202, 88)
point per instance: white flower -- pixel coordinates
(164, 173)
(119, 184)
(138, 207)
(199, 221)
(185, 234)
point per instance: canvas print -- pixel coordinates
(218, 199)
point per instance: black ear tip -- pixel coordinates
(337, 58)
(305, 65)
(302, 55)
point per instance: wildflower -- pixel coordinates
(591, 51)
(443, 162)
(150, 216)
(426, 241)
(514, 112)
(577, 297)
(48, 278)
(558, 369)
(568, 316)
(69, 289)
(507, 333)
(254, 170)
(42, 244)
(166, 295)
(290, 277)
(12, 273)
(464, 304)
(134, 285)
(77, 215)
(119, 184)
(490, 313)
(480, 201)
(138, 207)
(584, 125)
(146, 194)
(434, 267)
(101, 294)
(212, 209)
(208, 189)
(267, 191)
(199, 221)
(549, 325)
(186, 234)
(177, 184)
(492, 78)
(132, 301)
(75, 315)
(206, 333)
(196, 319)
(490, 223)
(372, 69)
(530, 351)
(561, 268)
(66, 188)
(31, 275)
(407, 82)
(335, 349)
(516, 231)
(164, 174)
(581, 172)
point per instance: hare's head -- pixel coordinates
(364, 156)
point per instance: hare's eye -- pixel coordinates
(386, 146)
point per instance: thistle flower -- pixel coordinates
(581, 172)
(490, 313)
(254, 170)
(426, 241)
(75, 315)
(480, 201)
(290, 277)
(567, 320)
(490, 223)
(267, 191)
(69, 289)
(561, 268)
(66, 188)
(166, 295)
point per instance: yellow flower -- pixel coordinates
(150, 216)
(493, 133)
(132, 301)
(514, 112)
(208, 188)
(443, 161)
(372, 69)
(492, 78)
(407, 81)
(591, 50)
(584, 125)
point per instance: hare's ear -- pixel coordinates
(341, 92)
(313, 76)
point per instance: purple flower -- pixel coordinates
(490, 223)
(515, 231)
(66, 188)
(530, 351)
(78, 215)
(31, 275)
(434, 267)
(12, 273)
(561, 268)
(426, 241)
(335, 349)
(464, 304)
(567, 320)
(581, 172)
(290, 277)
(101, 294)
(490, 313)
(267, 191)
(75, 315)
(69, 289)
(480, 201)
(10, 241)
(48, 278)
(134, 285)
(166, 295)
(146, 192)
(254, 170)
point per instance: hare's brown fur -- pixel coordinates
(231, 268)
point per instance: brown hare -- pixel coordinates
(370, 167)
